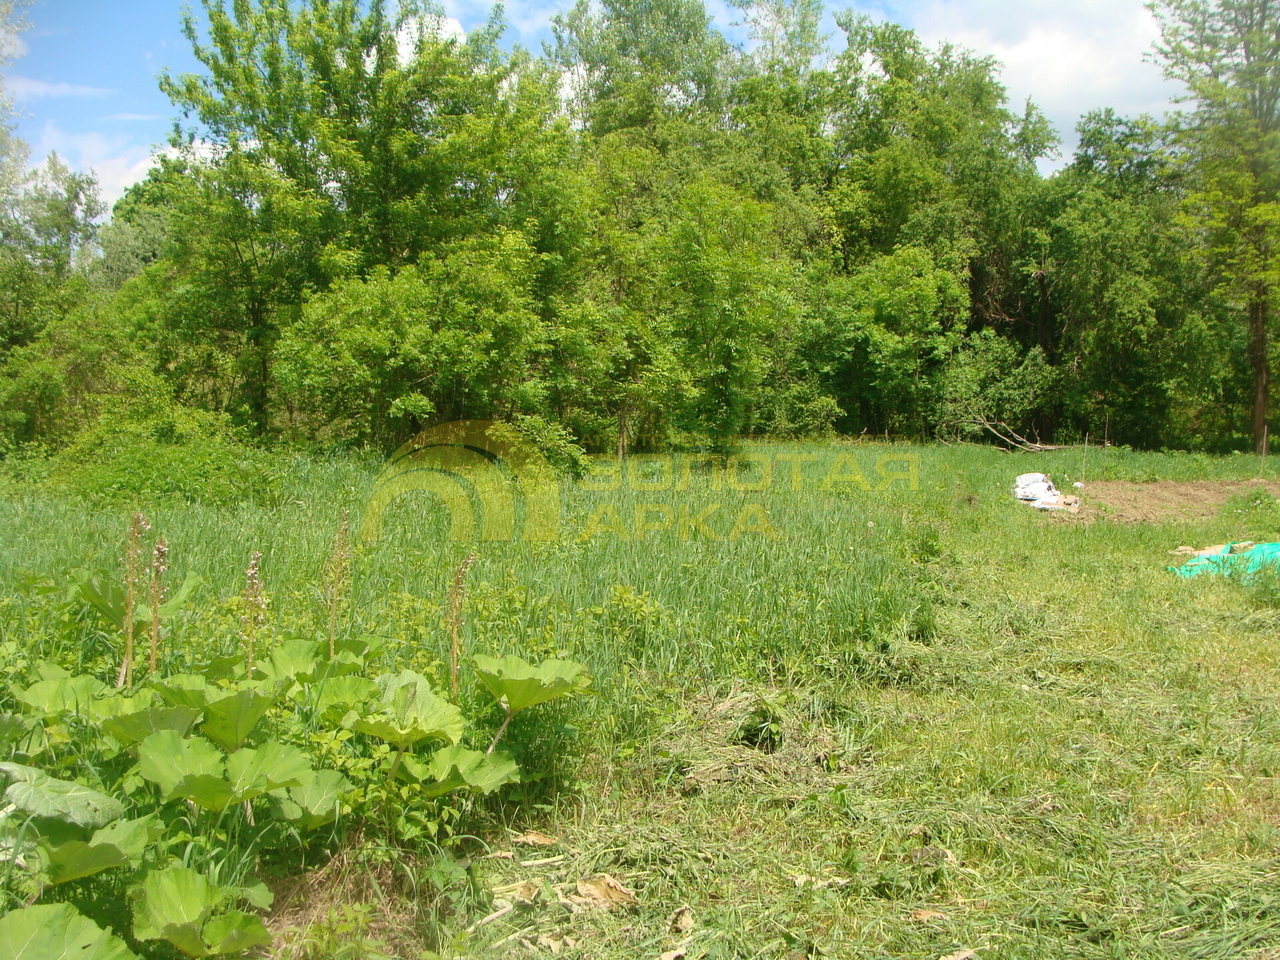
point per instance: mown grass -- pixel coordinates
(1021, 727)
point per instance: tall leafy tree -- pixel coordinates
(1227, 52)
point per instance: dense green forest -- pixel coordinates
(645, 235)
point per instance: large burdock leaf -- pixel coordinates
(187, 689)
(119, 844)
(319, 801)
(37, 794)
(166, 758)
(456, 768)
(131, 836)
(130, 728)
(253, 772)
(204, 790)
(229, 720)
(235, 931)
(63, 695)
(410, 712)
(334, 696)
(291, 660)
(518, 685)
(181, 906)
(76, 859)
(173, 904)
(57, 931)
(14, 727)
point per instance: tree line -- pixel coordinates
(646, 235)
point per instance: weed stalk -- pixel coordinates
(493, 744)
(132, 559)
(255, 608)
(457, 594)
(159, 564)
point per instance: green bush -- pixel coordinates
(173, 454)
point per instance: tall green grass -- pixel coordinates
(1022, 723)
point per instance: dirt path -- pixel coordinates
(1125, 502)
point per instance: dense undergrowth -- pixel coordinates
(899, 722)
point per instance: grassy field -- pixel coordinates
(902, 722)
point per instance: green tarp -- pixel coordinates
(1241, 563)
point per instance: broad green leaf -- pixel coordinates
(411, 712)
(174, 901)
(518, 685)
(343, 693)
(320, 800)
(77, 859)
(178, 905)
(204, 790)
(166, 757)
(177, 600)
(253, 772)
(108, 599)
(131, 836)
(36, 793)
(257, 894)
(107, 707)
(64, 695)
(51, 671)
(353, 649)
(222, 668)
(131, 728)
(13, 727)
(229, 721)
(185, 936)
(57, 931)
(187, 690)
(234, 931)
(456, 767)
(293, 659)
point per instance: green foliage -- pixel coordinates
(447, 339)
(408, 711)
(518, 685)
(57, 931)
(183, 907)
(986, 381)
(644, 238)
(181, 789)
(37, 794)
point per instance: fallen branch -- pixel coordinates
(1012, 438)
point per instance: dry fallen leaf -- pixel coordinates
(820, 883)
(601, 892)
(959, 955)
(681, 921)
(926, 915)
(533, 838)
(676, 954)
(526, 892)
(556, 942)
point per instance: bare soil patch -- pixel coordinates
(1125, 502)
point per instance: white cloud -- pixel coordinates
(1069, 58)
(12, 46)
(25, 88)
(412, 31)
(115, 161)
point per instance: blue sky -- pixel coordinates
(85, 80)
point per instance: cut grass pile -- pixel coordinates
(910, 723)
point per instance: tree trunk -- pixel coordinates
(1261, 365)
